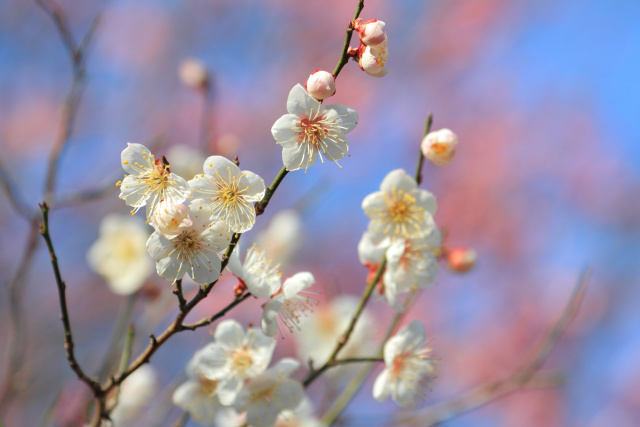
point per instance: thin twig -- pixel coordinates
(518, 380)
(182, 303)
(13, 195)
(261, 206)
(344, 58)
(427, 128)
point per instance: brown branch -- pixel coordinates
(521, 378)
(13, 195)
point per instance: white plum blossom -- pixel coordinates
(408, 367)
(170, 220)
(234, 357)
(302, 416)
(288, 304)
(439, 146)
(120, 255)
(135, 393)
(322, 329)
(373, 60)
(282, 237)
(194, 251)
(197, 395)
(312, 129)
(370, 253)
(149, 181)
(261, 275)
(371, 31)
(268, 394)
(400, 210)
(229, 192)
(321, 84)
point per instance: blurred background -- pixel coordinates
(543, 96)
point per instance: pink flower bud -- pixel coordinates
(371, 32)
(461, 260)
(373, 60)
(321, 85)
(439, 146)
(193, 74)
(170, 219)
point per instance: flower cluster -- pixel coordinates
(372, 53)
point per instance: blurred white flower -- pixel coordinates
(229, 192)
(408, 367)
(135, 393)
(322, 329)
(193, 73)
(261, 276)
(120, 254)
(311, 129)
(170, 220)
(370, 253)
(185, 160)
(234, 357)
(302, 416)
(288, 305)
(373, 60)
(439, 146)
(282, 237)
(149, 181)
(321, 84)
(371, 31)
(268, 394)
(196, 250)
(400, 210)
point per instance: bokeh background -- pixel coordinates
(544, 98)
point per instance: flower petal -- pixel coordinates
(296, 283)
(300, 102)
(269, 320)
(286, 129)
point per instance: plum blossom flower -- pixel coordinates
(288, 304)
(261, 276)
(197, 395)
(194, 251)
(136, 392)
(229, 192)
(234, 357)
(268, 394)
(371, 31)
(321, 84)
(119, 254)
(373, 60)
(149, 181)
(408, 366)
(170, 220)
(312, 129)
(439, 146)
(400, 210)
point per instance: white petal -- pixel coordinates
(286, 129)
(256, 186)
(346, 118)
(286, 366)
(228, 389)
(178, 189)
(300, 102)
(205, 270)
(381, 389)
(368, 252)
(372, 204)
(133, 192)
(234, 265)
(426, 200)
(203, 187)
(399, 180)
(395, 252)
(171, 268)
(230, 334)
(221, 165)
(158, 247)
(261, 413)
(296, 283)
(299, 157)
(217, 236)
(288, 395)
(136, 153)
(269, 320)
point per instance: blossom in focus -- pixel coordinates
(288, 305)
(261, 275)
(185, 160)
(371, 31)
(439, 146)
(400, 210)
(195, 251)
(229, 192)
(282, 237)
(193, 73)
(373, 60)
(321, 84)
(408, 367)
(135, 393)
(234, 357)
(149, 181)
(268, 394)
(461, 260)
(322, 329)
(120, 255)
(170, 220)
(197, 395)
(312, 129)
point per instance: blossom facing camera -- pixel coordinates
(312, 130)
(461, 260)
(193, 74)
(371, 31)
(321, 85)
(439, 146)
(373, 60)
(408, 367)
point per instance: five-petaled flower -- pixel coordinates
(288, 304)
(312, 129)
(229, 192)
(150, 180)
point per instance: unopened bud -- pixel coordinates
(439, 146)
(371, 32)
(321, 85)
(170, 219)
(373, 60)
(193, 74)
(461, 260)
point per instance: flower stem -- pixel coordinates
(427, 129)
(260, 206)
(344, 58)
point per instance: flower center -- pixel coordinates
(399, 211)
(208, 386)
(313, 131)
(439, 148)
(241, 360)
(188, 244)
